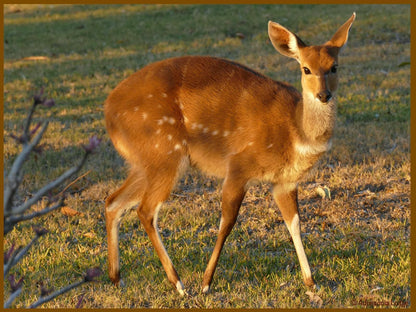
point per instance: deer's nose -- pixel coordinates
(324, 96)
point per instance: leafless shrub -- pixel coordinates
(16, 211)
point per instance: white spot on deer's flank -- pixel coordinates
(250, 143)
(136, 109)
(177, 147)
(149, 96)
(156, 145)
(170, 152)
(171, 120)
(158, 131)
(215, 132)
(164, 95)
(205, 130)
(159, 122)
(144, 115)
(226, 133)
(169, 137)
(184, 142)
(270, 145)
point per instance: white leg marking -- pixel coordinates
(179, 287)
(221, 223)
(294, 229)
(157, 229)
(206, 289)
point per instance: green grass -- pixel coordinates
(358, 243)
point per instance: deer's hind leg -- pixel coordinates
(116, 205)
(161, 179)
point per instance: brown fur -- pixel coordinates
(229, 121)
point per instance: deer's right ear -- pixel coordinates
(284, 41)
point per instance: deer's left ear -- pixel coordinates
(341, 36)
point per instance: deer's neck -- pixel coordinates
(316, 120)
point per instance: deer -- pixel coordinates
(228, 121)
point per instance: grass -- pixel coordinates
(358, 242)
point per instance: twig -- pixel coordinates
(89, 277)
(44, 190)
(26, 136)
(12, 220)
(18, 255)
(73, 182)
(15, 176)
(13, 296)
(42, 300)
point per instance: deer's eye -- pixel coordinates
(306, 71)
(334, 69)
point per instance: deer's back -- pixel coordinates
(209, 108)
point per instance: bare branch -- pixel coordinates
(44, 190)
(12, 297)
(55, 294)
(11, 221)
(26, 136)
(19, 255)
(15, 176)
(15, 214)
(89, 277)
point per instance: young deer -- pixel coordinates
(229, 121)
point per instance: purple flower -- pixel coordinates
(93, 144)
(92, 273)
(42, 100)
(13, 284)
(49, 103)
(39, 231)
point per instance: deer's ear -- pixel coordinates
(341, 36)
(284, 41)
